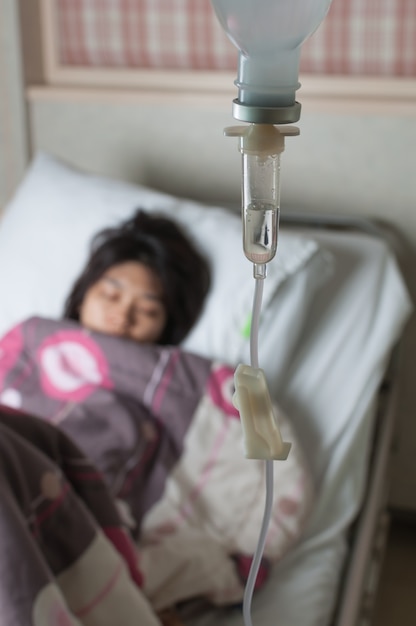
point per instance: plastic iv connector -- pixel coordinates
(260, 146)
(261, 434)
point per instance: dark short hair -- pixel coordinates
(159, 243)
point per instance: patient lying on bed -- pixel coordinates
(144, 281)
(158, 422)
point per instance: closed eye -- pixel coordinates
(149, 306)
(149, 312)
(109, 291)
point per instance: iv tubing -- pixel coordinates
(255, 320)
(251, 581)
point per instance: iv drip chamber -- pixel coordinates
(261, 206)
(260, 146)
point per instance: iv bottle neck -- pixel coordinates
(268, 82)
(267, 88)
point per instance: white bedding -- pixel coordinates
(328, 389)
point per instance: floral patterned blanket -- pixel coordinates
(157, 428)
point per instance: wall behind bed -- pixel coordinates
(142, 91)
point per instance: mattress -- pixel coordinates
(328, 388)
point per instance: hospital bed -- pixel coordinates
(334, 309)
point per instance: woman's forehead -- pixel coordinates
(133, 275)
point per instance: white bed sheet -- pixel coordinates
(328, 389)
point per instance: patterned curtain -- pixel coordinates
(358, 37)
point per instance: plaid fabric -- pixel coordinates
(367, 37)
(364, 37)
(168, 34)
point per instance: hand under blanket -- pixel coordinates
(159, 423)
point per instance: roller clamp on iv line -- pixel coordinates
(261, 434)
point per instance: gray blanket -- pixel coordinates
(58, 526)
(126, 405)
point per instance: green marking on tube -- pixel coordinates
(246, 329)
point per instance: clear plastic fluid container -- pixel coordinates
(269, 35)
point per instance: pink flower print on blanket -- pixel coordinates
(221, 389)
(11, 346)
(72, 366)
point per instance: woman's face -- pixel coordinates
(126, 301)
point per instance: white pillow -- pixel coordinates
(44, 241)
